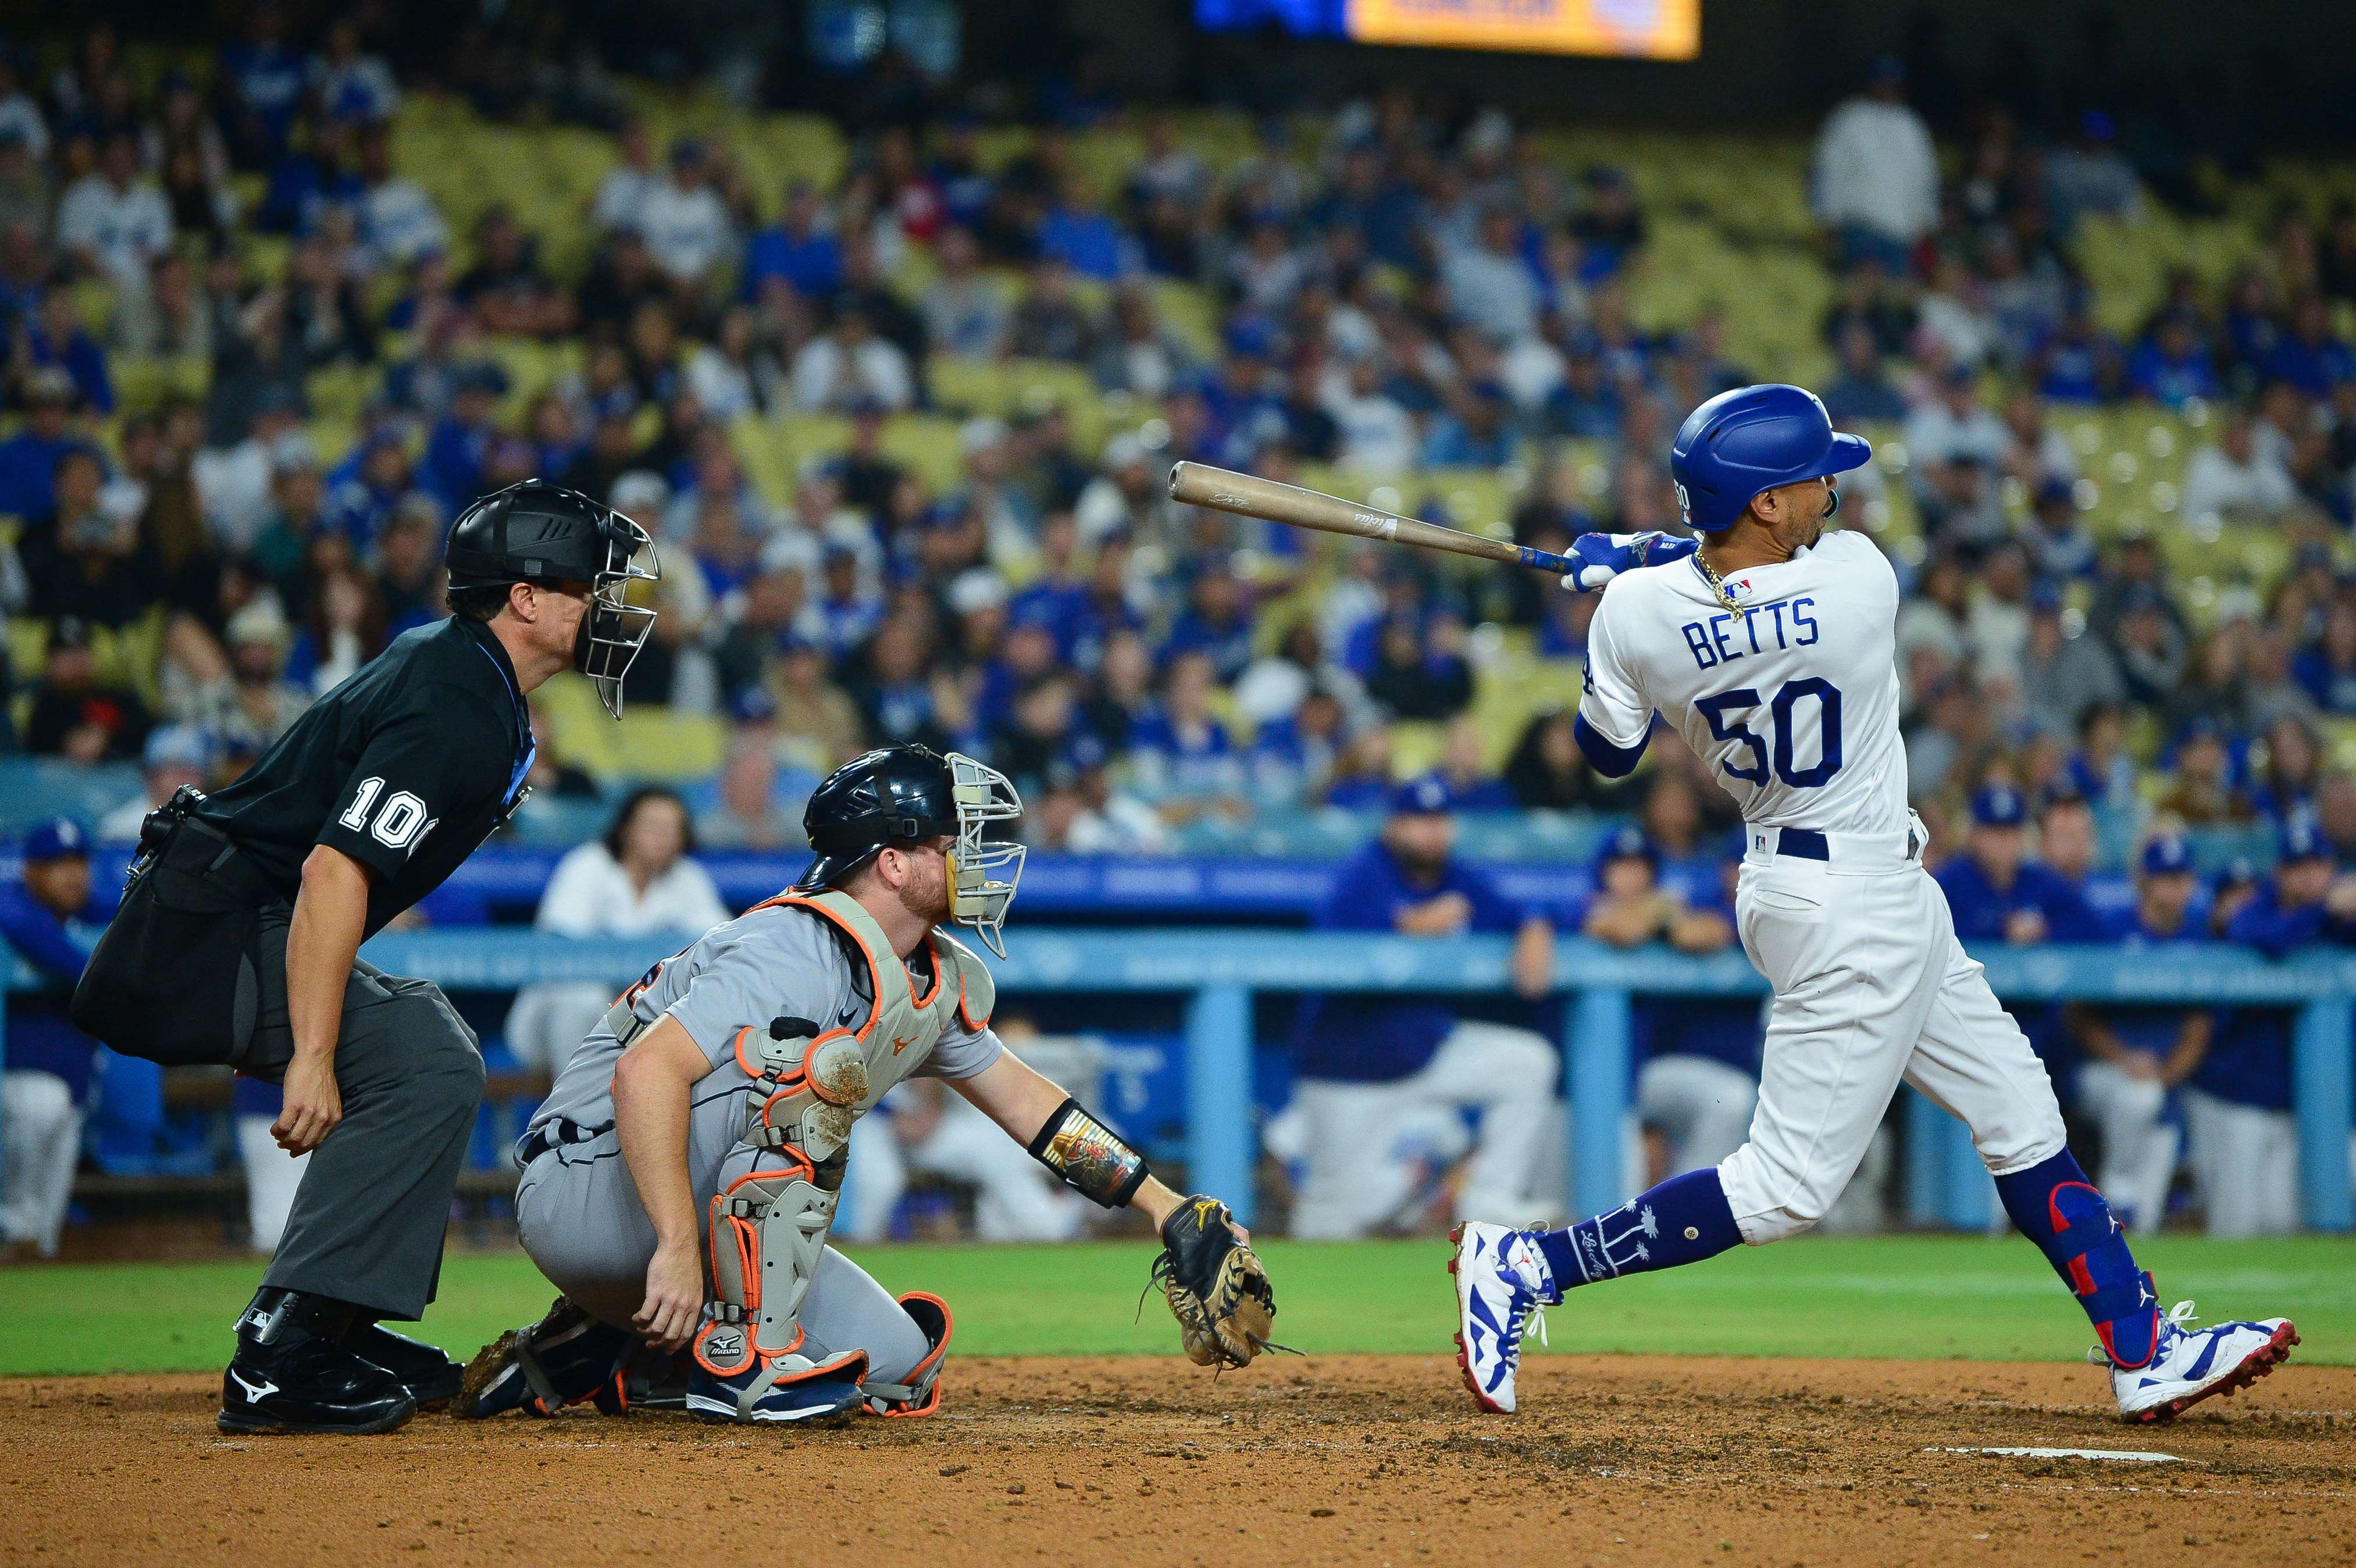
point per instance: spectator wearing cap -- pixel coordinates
(363, 489)
(113, 223)
(684, 222)
(1294, 756)
(75, 714)
(1698, 1081)
(2310, 356)
(51, 919)
(29, 459)
(2243, 1141)
(1997, 894)
(1874, 181)
(1216, 623)
(1383, 1078)
(262, 705)
(639, 878)
(55, 336)
(2089, 175)
(2135, 1056)
(1860, 393)
(2062, 675)
(2059, 543)
(2171, 365)
(799, 248)
(175, 757)
(1078, 232)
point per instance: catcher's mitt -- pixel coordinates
(1218, 1291)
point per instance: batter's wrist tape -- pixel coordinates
(1088, 1156)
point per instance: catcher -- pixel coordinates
(707, 1119)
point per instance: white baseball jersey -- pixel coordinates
(1790, 700)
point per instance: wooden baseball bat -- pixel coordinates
(1224, 490)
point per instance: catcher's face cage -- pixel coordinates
(613, 630)
(982, 872)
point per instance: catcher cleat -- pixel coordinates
(289, 1375)
(566, 1357)
(432, 1379)
(809, 1402)
(1502, 1283)
(2191, 1364)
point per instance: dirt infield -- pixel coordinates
(1372, 1460)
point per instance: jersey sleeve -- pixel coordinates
(1612, 701)
(962, 1053)
(444, 753)
(756, 971)
(1492, 910)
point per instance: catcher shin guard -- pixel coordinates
(567, 1357)
(919, 1393)
(1088, 1156)
(2057, 1208)
(769, 1231)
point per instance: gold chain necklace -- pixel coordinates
(1717, 583)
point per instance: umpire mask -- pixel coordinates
(613, 630)
(539, 533)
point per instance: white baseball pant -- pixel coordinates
(1362, 1137)
(2140, 1150)
(41, 1143)
(2245, 1160)
(1871, 988)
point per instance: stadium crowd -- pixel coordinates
(1395, 295)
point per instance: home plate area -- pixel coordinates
(1376, 1460)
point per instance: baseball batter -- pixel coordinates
(1771, 648)
(709, 1116)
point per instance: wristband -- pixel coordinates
(1088, 1156)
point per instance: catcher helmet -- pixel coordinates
(539, 533)
(1752, 439)
(912, 792)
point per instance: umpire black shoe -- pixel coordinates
(290, 1375)
(431, 1377)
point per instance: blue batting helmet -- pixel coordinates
(1752, 439)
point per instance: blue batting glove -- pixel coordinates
(1603, 556)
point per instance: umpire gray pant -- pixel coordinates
(578, 1214)
(369, 1219)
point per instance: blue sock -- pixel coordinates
(1683, 1221)
(2057, 1208)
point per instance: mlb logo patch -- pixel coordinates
(1737, 588)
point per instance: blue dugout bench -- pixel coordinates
(1218, 972)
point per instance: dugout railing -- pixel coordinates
(1218, 972)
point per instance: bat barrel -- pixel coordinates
(1248, 495)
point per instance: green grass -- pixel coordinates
(1936, 1297)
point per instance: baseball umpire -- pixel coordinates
(710, 1116)
(241, 927)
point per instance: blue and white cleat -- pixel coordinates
(1502, 1284)
(2191, 1364)
(812, 1401)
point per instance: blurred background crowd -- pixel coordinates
(894, 386)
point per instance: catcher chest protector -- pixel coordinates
(780, 1184)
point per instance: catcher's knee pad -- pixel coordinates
(768, 1231)
(920, 1392)
(567, 1357)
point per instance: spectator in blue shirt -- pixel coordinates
(363, 489)
(2138, 1054)
(1998, 894)
(266, 79)
(795, 248)
(1861, 393)
(1078, 233)
(1375, 1071)
(2309, 356)
(2171, 365)
(2243, 1141)
(57, 338)
(1698, 1078)
(29, 459)
(2079, 362)
(48, 918)
(460, 446)
(1475, 431)
(1216, 623)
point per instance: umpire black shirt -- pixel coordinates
(406, 767)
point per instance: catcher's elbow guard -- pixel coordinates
(1088, 1156)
